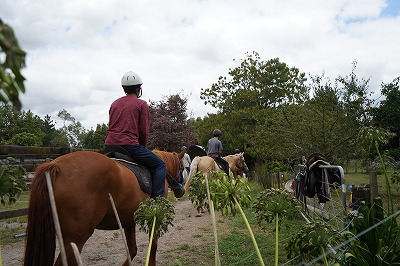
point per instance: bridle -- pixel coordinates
(239, 169)
(173, 182)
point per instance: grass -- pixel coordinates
(235, 244)
(14, 226)
(234, 241)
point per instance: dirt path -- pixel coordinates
(107, 248)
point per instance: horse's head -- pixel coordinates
(174, 164)
(175, 181)
(237, 164)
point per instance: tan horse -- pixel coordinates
(205, 164)
(82, 182)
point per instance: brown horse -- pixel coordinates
(205, 164)
(82, 182)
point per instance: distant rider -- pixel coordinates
(214, 150)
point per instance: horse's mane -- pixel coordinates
(167, 157)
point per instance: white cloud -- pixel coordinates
(78, 50)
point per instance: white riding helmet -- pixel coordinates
(130, 79)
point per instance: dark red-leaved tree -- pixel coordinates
(170, 128)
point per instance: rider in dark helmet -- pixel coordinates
(214, 145)
(214, 150)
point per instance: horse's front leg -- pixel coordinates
(130, 235)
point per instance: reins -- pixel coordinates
(173, 181)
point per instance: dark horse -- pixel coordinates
(82, 182)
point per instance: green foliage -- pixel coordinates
(377, 246)
(267, 110)
(198, 191)
(224, 190)
(387, 114)
(258, 83)
(12, 181)
(275, 201)
(312, 241)
(94, 139)
(24, 128)
(25, 139)
(160, 208)
(72, 129)
(11, 79)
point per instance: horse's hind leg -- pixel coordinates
(130, 235)
(79, 240)
(71, 259)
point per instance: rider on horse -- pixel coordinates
(128, 127)
(214, 150)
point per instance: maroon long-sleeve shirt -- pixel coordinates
(129, 122)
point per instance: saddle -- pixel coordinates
(120, 155)
(222, 164)
(316, 180)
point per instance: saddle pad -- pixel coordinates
(141, 172)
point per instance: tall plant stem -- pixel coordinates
(276, 238)
(250, 232)
(214, 223)
(388, 190)
(55, 218)
(120, 229)
(150, 241)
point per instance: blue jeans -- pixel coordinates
(158, 170)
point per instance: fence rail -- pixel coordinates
(28, 157)
(13, 213)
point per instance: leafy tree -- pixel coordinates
(170, 127)
(15, 125)
(49, 130)
(11, 79)
(12, 181)
(387, 114)
(329, 122)
(94, 139)
(250, 105)
(25, 139)
(8, 120)
(256, 83)
(72, 129)
(60, 139)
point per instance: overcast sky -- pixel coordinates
(78, 50)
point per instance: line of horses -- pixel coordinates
(82, 182)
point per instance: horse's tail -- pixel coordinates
(40, 244)
(193, 171)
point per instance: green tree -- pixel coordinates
(11, 79)
(257, 83)
(16, 126)
(49, 130)
(387, 114)
(25, 139)
(8, 121)
(94, 139)
(72, 129)
(250, 104)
